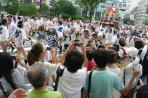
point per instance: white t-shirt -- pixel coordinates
(12, 28)
(114, 39)
(5, 33)
(24, 35)
(101, 32)
(60, 30)
(52, 71)
(108, 37)
(70, 84)
(26, 27)
(20, 35)
(76, 26)
(48, 56)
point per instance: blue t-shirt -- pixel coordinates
(103, 83)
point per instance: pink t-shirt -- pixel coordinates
(90, 65)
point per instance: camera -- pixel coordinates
(77, 43)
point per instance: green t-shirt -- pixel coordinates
(45, 93)
(103, 83)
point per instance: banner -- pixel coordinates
(111, 10)
(122, 5)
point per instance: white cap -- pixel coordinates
(132, 51)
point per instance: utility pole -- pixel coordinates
(41, 8)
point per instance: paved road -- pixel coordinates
(28, 45)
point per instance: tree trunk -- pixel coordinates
(88, 13)
(94, 14)
(90, 16)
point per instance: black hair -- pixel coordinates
(86, 31)
(142, 92)
(112, 58)
(34, 53)
(19, 18)
(139, 44)
(4, 21)
(101, 46)
(101, 57)
(20, 24)
(115, 31)
(116, 47)
(41, 28)
(54, 32)
(90, 54)
(122, 42)
(6, 68)
(60, 22)
(74, 61)
(93, 28)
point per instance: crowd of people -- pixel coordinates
(72, 59)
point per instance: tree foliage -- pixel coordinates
(27, 10)
(44, 9)
(64, 9)
(128, 21)
(89, 5)
(145, 21)
(12, 6)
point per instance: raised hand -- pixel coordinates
(136, 72)
(18, 93)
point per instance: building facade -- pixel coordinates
(141, 11)
(47, 2)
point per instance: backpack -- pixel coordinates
(1, 30)
(122, 60)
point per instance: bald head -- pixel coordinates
(37, 75)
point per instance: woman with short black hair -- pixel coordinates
(75, 72)
(7, 84)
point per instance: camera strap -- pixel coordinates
(89, 83)
(60, 71)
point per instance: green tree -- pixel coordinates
(89, 5)
(145, 21)
(128, 21)
(28, 10)
(12, 6)
(44, 10)
(63, 8)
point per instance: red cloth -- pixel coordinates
(90, 65)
